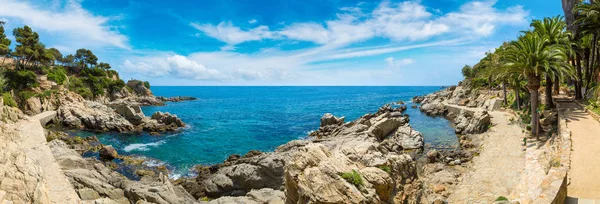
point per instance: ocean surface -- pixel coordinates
(234, 120)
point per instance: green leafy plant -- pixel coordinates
(24, 95)
(353, 178)
(8, 100)
(58, 75)
(501, 198)
(385, 168)
(146, 84)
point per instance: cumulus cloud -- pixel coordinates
(253, 21)
(175, 65)
(232, 35)
(69, 20)
(398, 22)
(397, 63)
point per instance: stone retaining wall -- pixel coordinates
(553, 187)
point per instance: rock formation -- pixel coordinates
(311, 170)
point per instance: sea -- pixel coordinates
(229, 120)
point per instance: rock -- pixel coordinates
(133, 113)
(88, 194)
(439, 188)
(418, 99)
(478, 123)
(10, 114)
(383, 127)
(168, 119)
(433, 108)
(33, 106)
(456, 162)
(413, 106)
(381, 180)
(108, 153)
(432, 155)
(329, 119)
(75, 112)
(138, 88)
(176, 98)
(142, 172)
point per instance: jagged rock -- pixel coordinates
(432, 155)
(329, 119)
(108, 153)
(383, 127)
(33, 106)
(434, 108)
(10, 114)
(76, 112)
(133, 113)
(264, 195)
(478, 123)
(381, 180)
(92, 176)
(168, 119)
(418, 99)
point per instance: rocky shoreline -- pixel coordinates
(376, 158)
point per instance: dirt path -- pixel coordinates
(34, 142)
(584, 175)
(497, 170)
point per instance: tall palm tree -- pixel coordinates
(553, 30)
(588, 22)
(534, 57)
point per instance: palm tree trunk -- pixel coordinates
(556, 85)
(533, 84)
(504, 92)
(578, 82)
(517, 98)
(549, 102)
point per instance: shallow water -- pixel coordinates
(234, 120)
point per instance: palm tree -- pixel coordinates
(588, 22)
(534, 57)
(553, 31)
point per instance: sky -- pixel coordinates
(280, 42)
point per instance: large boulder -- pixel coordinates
(168, 119)
(108, 153)
(478, 123)
(133, 113)
(329, 119)
(434, 108)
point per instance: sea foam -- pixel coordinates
(142, 146)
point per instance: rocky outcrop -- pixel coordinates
(138, 88)
(10, 114)
(76, 112)
(95, 182)
(168, 119)
(310, 170)
(176, 98)
(132, 113)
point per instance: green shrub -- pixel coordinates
(24, 95)
(8, 100)
(116, 85)
(479, 82)
(112, 73)
(76, 83)
(385, 168)
(147, 84)
(46, 94)
(84, 92)
(21, 79)
(501, 198)
(58, 75)
(353, 178)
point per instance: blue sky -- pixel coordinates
(270, 42)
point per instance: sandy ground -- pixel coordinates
(497, 170)
(584, 175)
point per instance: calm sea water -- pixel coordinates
(234, 120)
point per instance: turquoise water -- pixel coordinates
(234, 120)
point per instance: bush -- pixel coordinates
(501, 198)
(385, 168)
(479, 82)
(147, 84)
(21, 79)
(84, 92)
(112, 73)
(24, 95)
(352, 177)
(116, 85)
(76, 83)
(58, 75)
(8, 100)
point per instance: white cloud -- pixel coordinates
(482, 18)
(174, 65)
(232, 35)
(396, 64)
(70, 21)
(253, 21)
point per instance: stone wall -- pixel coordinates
(553, 187)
